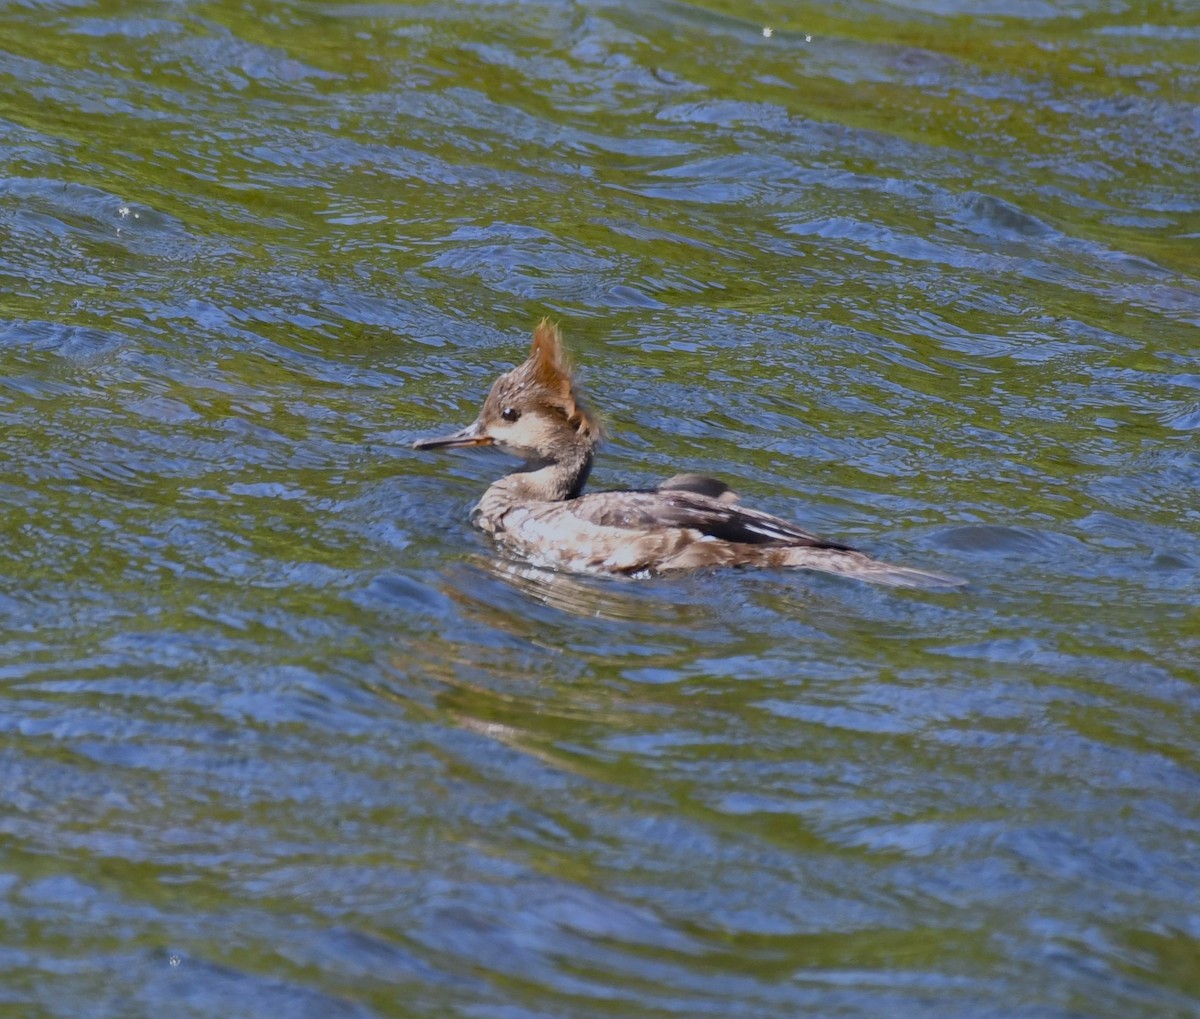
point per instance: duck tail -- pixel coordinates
(848, 563)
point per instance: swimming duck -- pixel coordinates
(688, 522)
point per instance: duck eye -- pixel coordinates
(510, 414)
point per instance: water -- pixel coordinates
(279, 733)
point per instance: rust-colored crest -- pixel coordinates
(549, 360)
(551, 368)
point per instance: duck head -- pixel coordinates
(532, 410)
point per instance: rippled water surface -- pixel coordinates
(281, 735)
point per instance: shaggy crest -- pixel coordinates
(548, 369)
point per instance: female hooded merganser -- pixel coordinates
(689, 521)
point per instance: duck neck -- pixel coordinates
(555, 478)
(551, 480)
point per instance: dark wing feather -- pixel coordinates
(685, 508)
(701, 484)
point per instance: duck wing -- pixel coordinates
(689, 506)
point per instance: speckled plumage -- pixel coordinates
(688, 522)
